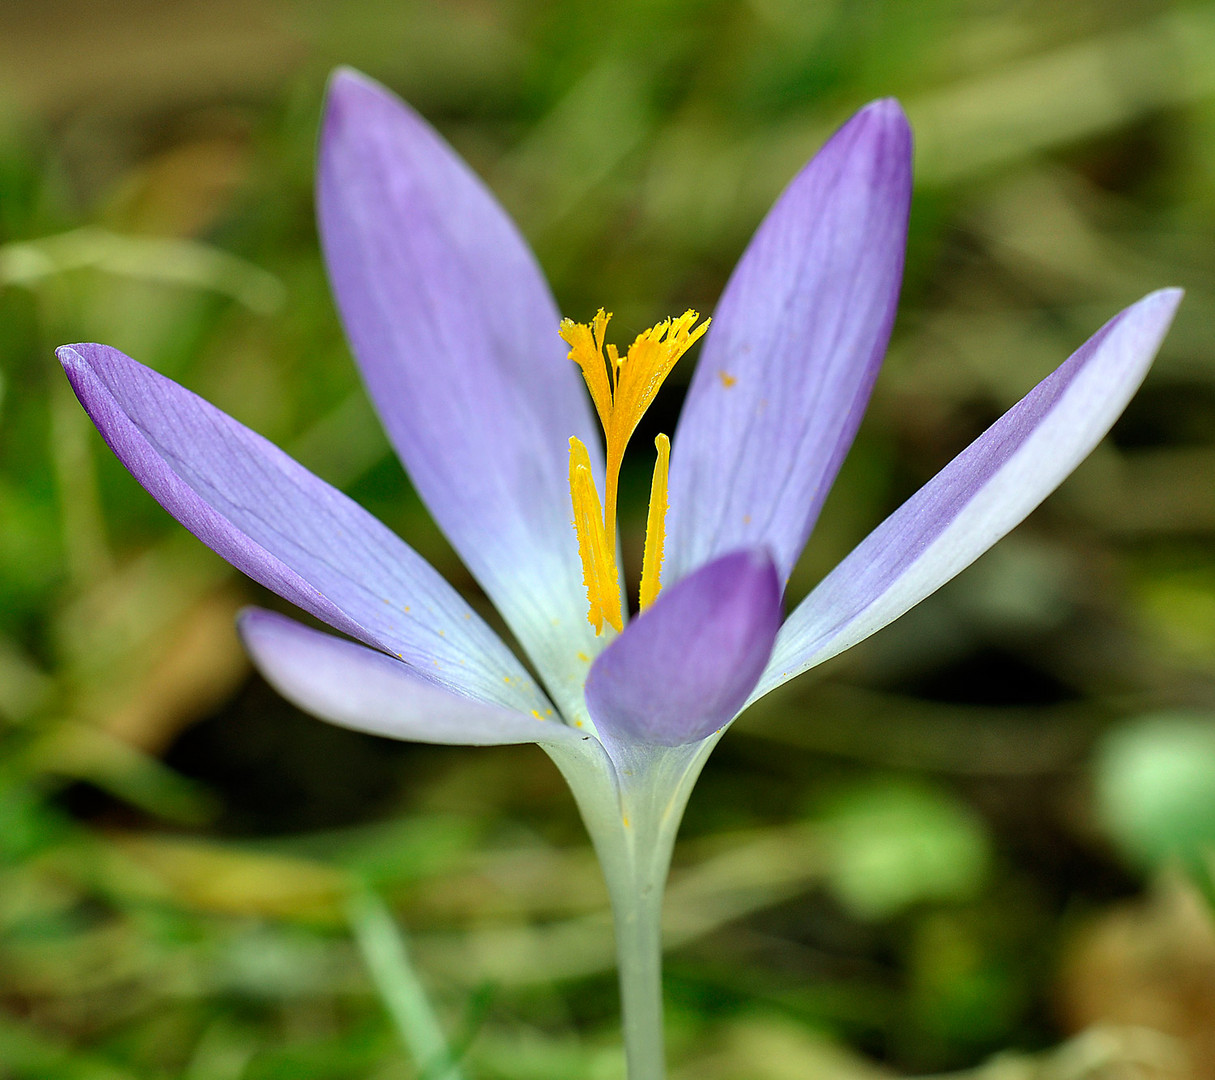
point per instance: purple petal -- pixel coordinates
(793, 352)
(270, 517)
(980, 495)
(356, 687)
(455, 332)
(684, 668)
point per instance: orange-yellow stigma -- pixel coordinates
(622, 388)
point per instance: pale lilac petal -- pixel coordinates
(794, 349)
(356, 687)
(684, 667)
(270, 517)
(980, 495)
(455, 333)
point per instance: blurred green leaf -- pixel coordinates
(891, 844)
(1154, 781)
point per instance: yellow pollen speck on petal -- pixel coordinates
(583, 657)
(536, 714)
(622, 388)
(727, 380)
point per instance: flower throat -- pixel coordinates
(622, 388)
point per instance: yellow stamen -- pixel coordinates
(655, 525)
(599, 572)
(622, 388)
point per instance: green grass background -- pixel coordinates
(973, 839)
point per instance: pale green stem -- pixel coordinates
(637, 911)
(386, 955)
(632, 810)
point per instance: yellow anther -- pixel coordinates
(622, 388)
(599, 571)
(655, 525)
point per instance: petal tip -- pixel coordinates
(682, 670)
(874, 147)
(1168, 298)
(1153, 314)
(888, 110)
(69, 356)
(256, 627)
(345, 81)
(350, 94)
(759, 565)
(887, 118)
(80, 365)
(252, 618)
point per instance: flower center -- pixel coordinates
(622, 388)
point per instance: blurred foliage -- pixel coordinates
(954, 849)
(1156, 789)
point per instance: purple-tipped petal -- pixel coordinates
(793, 352)
(455, 333)
(270, 517)
(980, 495)
(356, 687)
(684, 668)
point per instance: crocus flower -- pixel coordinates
(461, 348)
